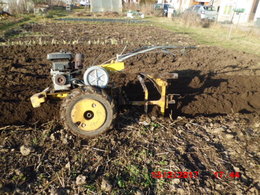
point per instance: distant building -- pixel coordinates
(106, 5)
(250, 11)
(226, 9)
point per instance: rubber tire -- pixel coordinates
(79, 94)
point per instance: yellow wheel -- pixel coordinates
(87, 112)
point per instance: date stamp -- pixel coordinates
(192, 175)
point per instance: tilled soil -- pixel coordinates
(229, 86)
(217, 89)
(46, 159)
(144, 34)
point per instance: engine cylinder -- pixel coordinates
(79, 61)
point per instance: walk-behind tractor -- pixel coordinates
(88, 107)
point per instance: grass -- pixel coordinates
(216, 35)
(16, 21)
(9, 24)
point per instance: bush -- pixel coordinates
(145, 8)
(192, 19)
(147, 2)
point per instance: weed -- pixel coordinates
(164, 163)
(19, 179)
(155, 125)
(143, 155)
(35, 141)
(120, 182)
(91, 187)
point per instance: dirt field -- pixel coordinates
(215, 124)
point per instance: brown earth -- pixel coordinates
(218, 93)
(229, 86)
(128, 34)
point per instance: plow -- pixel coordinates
(89, 104)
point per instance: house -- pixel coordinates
(239, 11)
(106, 5)
(235, 11)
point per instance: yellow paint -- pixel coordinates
(81, 108)
(117, 66)
(162, 102)
(38, 98)
(58, 95)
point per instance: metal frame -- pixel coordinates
(158, 80)
(160, 83)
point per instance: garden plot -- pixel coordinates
(214, 126)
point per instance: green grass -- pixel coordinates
(16, 21)
(57, 12)
(6, 25)
(216, 35)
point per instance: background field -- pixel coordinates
(213, 127)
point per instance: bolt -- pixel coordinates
(94, 105)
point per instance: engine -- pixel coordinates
(64, 69)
